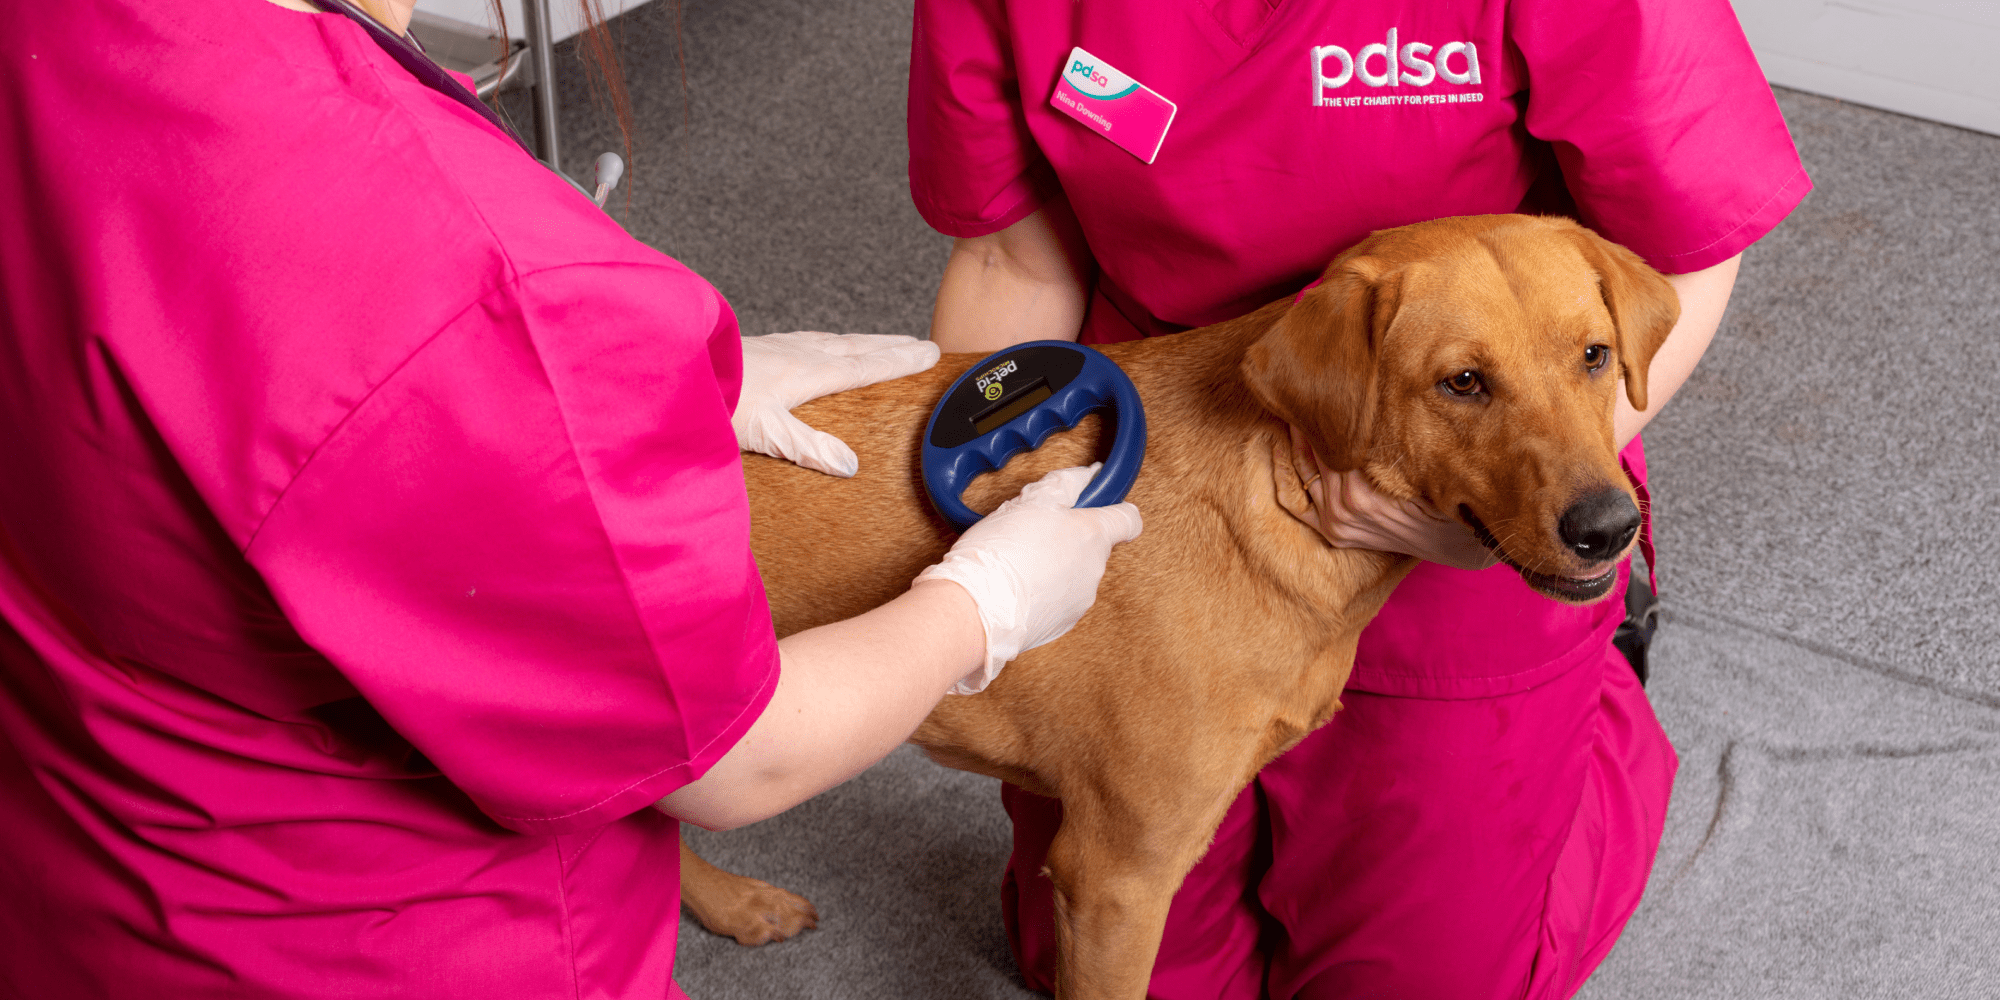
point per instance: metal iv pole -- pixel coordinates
(541, 52)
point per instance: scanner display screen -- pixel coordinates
(1000, 413)
(1022, 380)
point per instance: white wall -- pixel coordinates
(1936, 59)
(562, 13)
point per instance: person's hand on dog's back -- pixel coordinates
(1033, 566)
(1352, 514)
(783, 370)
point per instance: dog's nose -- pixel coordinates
(1600, 525)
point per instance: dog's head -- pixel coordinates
(1473, 363)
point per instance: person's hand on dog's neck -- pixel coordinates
(1352, 514)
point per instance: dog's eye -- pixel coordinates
(1595, 355)
(1464, 383)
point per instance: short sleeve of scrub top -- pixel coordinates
(1293, 137)
(529, 547)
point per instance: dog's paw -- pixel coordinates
(754, 912)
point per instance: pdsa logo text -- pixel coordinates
(1387, 64)
(1089, 73)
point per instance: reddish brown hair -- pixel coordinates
(600, 60)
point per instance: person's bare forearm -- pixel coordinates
(847, 694)
(1704, 296)
(1026, 282)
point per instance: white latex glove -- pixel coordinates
(1033, 566)
(783, 370)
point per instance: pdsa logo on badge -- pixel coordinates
(1092, 82)
(1118, 107)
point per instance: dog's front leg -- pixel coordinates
(752, 911)
(1116, 867)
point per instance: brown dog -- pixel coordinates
(1471, 363)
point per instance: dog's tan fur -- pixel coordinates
(1224, 633)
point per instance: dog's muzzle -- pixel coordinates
(1573, 590)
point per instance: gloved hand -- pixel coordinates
(783, 370)
(1032, 566)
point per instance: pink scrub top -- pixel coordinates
(373, 541)
(1646, 119)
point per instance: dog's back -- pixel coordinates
(1211, 572)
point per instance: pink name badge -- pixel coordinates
(1118, 107)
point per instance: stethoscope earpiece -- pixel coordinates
(610, 168)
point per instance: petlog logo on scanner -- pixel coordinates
(989, 383)
(1117, 107)
(1421, 65)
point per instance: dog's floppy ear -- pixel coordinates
(1643, 307)
(1316, 367)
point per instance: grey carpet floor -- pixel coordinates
(1830, 552)
(1832, 834)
